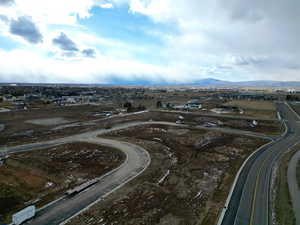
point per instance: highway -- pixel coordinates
(250, 200)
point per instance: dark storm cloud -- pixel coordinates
(25, 28)
(89, 52)
(6, 2)
(65, 43)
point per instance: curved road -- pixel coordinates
(74, 138)
(250, 200)
(137, 161)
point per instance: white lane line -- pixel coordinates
(221, 217)
(292, 110)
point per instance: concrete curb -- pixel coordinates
(98, 178)
(220, 220)
(221, 217)
(100, 199)
(292, 110)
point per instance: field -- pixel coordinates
(259, 105)
(41, 176)
(187, 182)
(268, 127)
(284, 213)
(259, 109)
(32, 125)
(39, 125)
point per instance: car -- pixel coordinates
(179, 122)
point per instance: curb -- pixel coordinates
(221, 217)
(105, 195)
(292, 110)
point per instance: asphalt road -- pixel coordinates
(83, 136)
(250, 201)
(137, 161)
(222, 116)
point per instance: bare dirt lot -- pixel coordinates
(187, 182)
(267, 127)
(41, 176)
(17, 131)
(18, 128)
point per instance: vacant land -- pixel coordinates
(49, 121)
(38, 125)
(32, 125)
(41, 176)
(187, 182)
(262, 126)
(284, 213)
(259, 105)
(259, 109)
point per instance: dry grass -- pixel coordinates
(283, 206)
(192, 192)
(258, 105)
(259, 109)
(25, 177)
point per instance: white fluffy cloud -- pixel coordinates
(54, 11)
(31, 66)
(216, 32)
(236, 40)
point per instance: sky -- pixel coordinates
(148, 41)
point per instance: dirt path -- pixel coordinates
(293, 185)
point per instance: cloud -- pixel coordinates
(6, 2)
(260, 35)
(32, 66)
(25, 28)
(89, 52)
(65, 43)
(250, 60)
(4, 18)
(106, 5)
(222, 39)
(54, 11)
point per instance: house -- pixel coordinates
(193, 104)
(227, 109)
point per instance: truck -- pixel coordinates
(23, 215)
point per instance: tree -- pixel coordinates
(141, 107)
(128, 106)
(158, 104)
